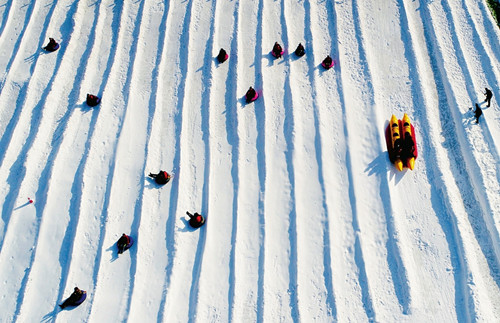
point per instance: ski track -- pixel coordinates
(306, 219)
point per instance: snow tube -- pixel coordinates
(162, 179)
(251, 99)
(51, 48)
(277, 54)
(327, 66)
(408, 130)
(131, 242)
(392, 133)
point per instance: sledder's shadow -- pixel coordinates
(271, 60)
(114, 252)
(84, 107)
(21, 206)
(151, 184)
(381, 164)
(49, 317)
(187, 227)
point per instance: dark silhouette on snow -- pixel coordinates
(195, 220)
(478, 113)
(489, 95)
(52, 45)
(222, 57)
(251, 95)
(161, 178)
(124, 243)
(277, 50)
(92, 100)
(76, 298)
(327, 62)
(300, 51)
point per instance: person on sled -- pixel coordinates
(222, 57)
(300, 51)
(251, 95)
(277, 50)
(76, 298)
(327, 62)
(195, 220)
(92, 100)
(52, 45)
(123, 243)
(161, 178)
(408, 146)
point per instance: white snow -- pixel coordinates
(306, 218)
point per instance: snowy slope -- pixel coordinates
(307, 220)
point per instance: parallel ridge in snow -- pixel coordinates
(307, 220)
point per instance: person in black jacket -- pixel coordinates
(92, 100)
(52, 45)
(277, 50)
(161, 178)
(195, 220)
(488, 94)
(477, 113)
(300, 51)
(74, 299)
(222, 57)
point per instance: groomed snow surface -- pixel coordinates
(307, 220)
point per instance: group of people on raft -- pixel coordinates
(277, 52)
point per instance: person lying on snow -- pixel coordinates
(123, 242)
(161, 178)
(195, 220)
(74, 298)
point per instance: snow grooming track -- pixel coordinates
(99, 170)
(203, 274)
(146, 275)
(174, 66)
(227, 81)
(352, 71)
(191, 147)
(25, 166)
(435, 171)
(127, 188)
(12, 22)
(280, 274)
(15, 142)
(390, 92)
(310, 168)
(460, 191)
(213, 298)
(44, 273)
(249, 245)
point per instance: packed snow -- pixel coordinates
(306, 218)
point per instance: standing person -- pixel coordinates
(478, 113)
(489, 95)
